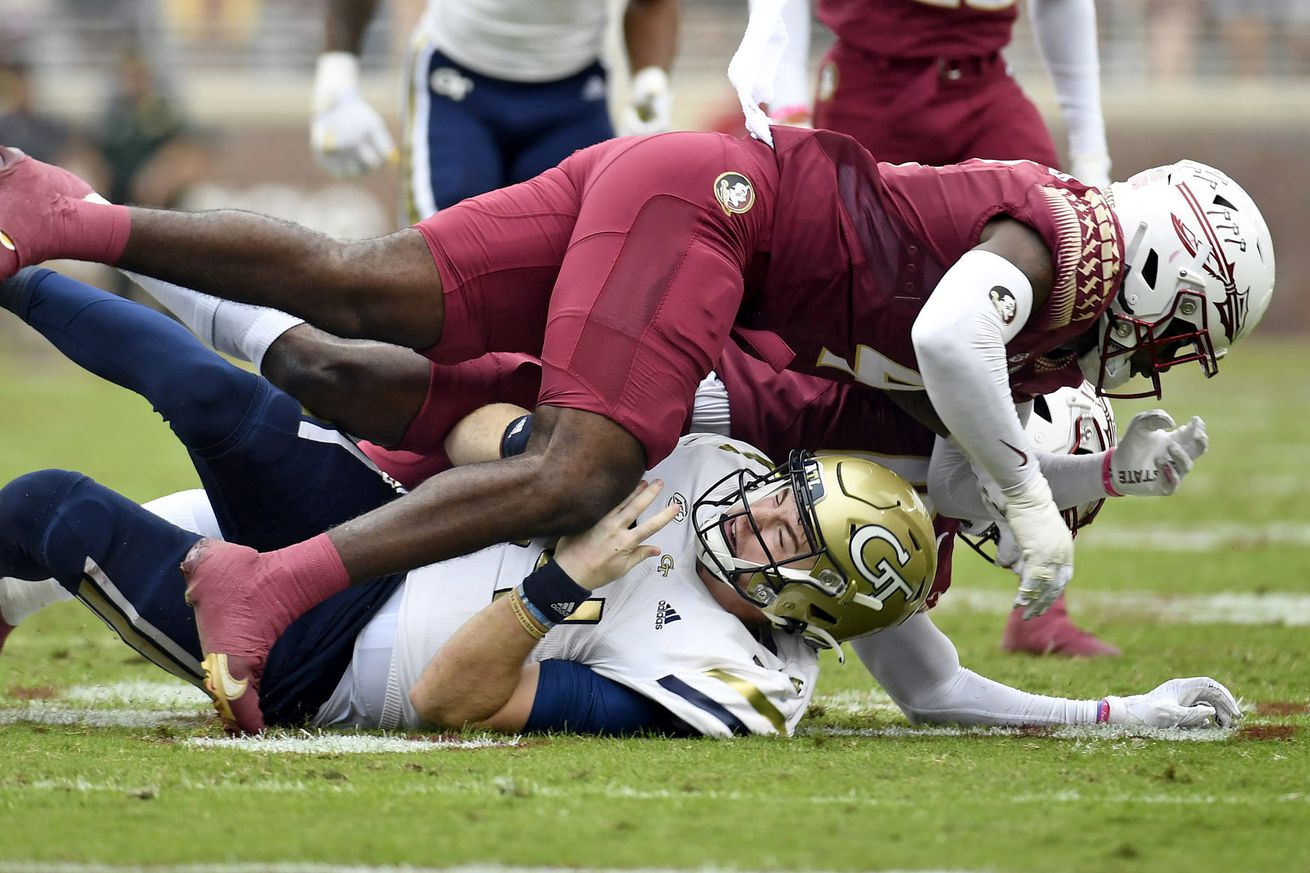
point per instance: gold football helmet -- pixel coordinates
(869, 557)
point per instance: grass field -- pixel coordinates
(107, 763)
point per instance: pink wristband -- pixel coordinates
(1103, 711)
(1105, 475)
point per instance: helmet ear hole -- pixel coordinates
(1150, 268)
(822, 617)
(1042, 408)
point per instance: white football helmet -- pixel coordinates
(1075, 421)
(1198, 274)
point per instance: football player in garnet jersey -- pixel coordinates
(627, 267)
(756, 568)
(926, 81)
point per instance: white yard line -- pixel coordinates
(1232, 608)
(324, 743)
(1210, 537)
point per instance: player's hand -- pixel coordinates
(1154, 456)
(614, 546)
(1091, 169)
(348, 136)
(1045, 547)
(650, 106)
(1186, 703)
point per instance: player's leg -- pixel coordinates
(451, 150)
(385, 288)
(273, 478)
(1003, 124)
(119, 559)
(551, 121)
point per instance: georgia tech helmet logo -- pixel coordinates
(734, 192)
(884, 577)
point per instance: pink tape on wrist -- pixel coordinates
(1105, 475)
(1103, 712)
(97, 233)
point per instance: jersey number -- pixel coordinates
(874, 369)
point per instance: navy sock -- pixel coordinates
(202, 397)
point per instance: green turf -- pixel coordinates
(830, 799)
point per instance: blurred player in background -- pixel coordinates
(923, 81)
(926, 80)
(764, 565)
(496, 91)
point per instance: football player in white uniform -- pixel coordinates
(710, 638)
(496, 91)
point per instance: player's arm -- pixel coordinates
(1151, 460)
(650, 31)
(980, 304)
(479, 676)
(920, 669)
(1066, 38)
(790, 103)
(348, 136)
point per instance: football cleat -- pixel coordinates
(234, 638)
(1053, 633)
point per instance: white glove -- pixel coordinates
(1045, 547)
(348, 136)
(650, 104)
(1091, 169)
(1182, 703)
(1152, 458)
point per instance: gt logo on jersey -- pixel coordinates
(735, 193)
(884, 577)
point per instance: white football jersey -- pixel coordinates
(518, 40)
(656, 630)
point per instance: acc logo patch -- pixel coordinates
(681, 502)
(1003, 299)
(734, 192)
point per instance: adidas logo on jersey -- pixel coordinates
(664, 614)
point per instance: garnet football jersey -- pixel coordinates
(922, 28)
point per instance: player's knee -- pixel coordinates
(26, 505)
(211, 401)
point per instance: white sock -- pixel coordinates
(22, 598)
(238, 329)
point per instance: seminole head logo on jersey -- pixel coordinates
(734, 192)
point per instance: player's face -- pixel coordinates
(777, 527)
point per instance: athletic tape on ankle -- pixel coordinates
(550, 595)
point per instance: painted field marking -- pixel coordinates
(1288, 609)
(320, 743)
(1213, 537)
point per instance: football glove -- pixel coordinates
(1185, 703)
(1153, 456)
(650, 105)
(1045, 547)
(348, 136)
